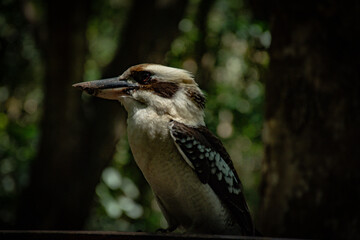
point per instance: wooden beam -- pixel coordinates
(102, 235)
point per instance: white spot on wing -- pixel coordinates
(212, 155)
(218, 166)
(179, 148)
(219, 176)
(236, 190)
(229, 180)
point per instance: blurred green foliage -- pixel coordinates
(20, 105)
(234, 59)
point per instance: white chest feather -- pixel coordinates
(187, 201)
(148, 136)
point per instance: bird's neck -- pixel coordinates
(177, 109)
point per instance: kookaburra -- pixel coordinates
(190, 172)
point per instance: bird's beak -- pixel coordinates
(110, 88)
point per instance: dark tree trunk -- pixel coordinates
(203, 75)
(312, 158)
(52, 199)
(78, 140)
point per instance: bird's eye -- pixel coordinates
(142, 77)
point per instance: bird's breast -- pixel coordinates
(171, 178)
(155, 152)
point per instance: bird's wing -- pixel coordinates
(205, 153)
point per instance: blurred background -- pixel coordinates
(282, 88)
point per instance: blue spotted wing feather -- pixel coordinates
(205, 153)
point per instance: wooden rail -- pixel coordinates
(102, 235)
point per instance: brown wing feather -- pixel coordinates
(213, 165)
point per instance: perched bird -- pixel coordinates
(190, 172)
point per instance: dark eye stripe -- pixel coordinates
(142, 77)
(197, 97)
(165, 89)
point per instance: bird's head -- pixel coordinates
(165, 90)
